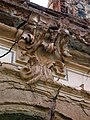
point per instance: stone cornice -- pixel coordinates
(9, 33)
(46, 12)
(76, 66)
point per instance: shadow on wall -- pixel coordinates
(18, 116)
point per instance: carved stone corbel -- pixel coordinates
(62, 40)
(34, 71)
(43, 51)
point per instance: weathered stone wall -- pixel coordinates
(36, 100)
(43, 99)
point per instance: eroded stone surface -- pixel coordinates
(16, 96)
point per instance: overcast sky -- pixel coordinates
(40, 2)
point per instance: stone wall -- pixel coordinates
(37, 100)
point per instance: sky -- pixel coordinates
(40, 2)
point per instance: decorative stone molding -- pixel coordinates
(44, 50)
(10, 34)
